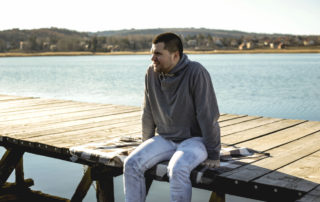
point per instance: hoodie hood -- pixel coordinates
(181, 64)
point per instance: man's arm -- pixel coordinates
(148, 125)
(207, 114)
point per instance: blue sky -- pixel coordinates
(261, 16)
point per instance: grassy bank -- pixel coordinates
(18, 54)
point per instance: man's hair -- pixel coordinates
(172, 42)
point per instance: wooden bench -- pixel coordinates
(51, 128)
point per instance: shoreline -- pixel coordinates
(87, 53)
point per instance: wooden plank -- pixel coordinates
(302, 175)
(282, 137)
(2, 97)
(86, 127)
(238, 121)
(60, 127)
(313, 196)
(76, 115)
(243, 126)
(69, 109)
(64, 119)
(8, 99)
(38, 108)
(83, 134)
(227, 117)
(259, 131)
(279, 157)
(8, 163)
(99, 138)
(32, 104)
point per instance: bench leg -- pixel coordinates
(83, 186)
(105, 189)
(19, 173)
(217, 197)
(8, 163)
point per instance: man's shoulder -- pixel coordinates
(196, 67)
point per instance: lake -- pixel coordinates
(272, 85)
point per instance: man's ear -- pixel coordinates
(177, 55)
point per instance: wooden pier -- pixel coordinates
(50, 127)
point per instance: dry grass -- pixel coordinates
(17, 54)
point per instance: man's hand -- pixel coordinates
(211, 163)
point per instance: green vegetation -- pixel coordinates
(63, 40)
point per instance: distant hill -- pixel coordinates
(199, 39)
(22, 35)
(181, 31)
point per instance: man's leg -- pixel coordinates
(144, 157)
(190, 153)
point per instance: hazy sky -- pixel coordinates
(262, 16)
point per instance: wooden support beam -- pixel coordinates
(8, 163)
(19, 173)
(105, 189)
(8, 188)
(83, 186)
(217, 197)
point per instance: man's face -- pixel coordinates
(162, 59)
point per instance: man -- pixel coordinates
(181, 107)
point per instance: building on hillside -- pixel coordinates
(246, 45)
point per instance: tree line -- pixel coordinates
(54, 39)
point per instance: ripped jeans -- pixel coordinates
(183, 156)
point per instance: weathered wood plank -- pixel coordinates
(76, 115)
(61, 127)
(227, 117)
(84, 135)
(38, 108)
(262, 130)
(99, 138)
(243, 126)
(313, 196)
(279, 157)
(70, 109)
(282, 137)
(238, 121)
(78, 132)
(8, 99)
(21, 104)
(302, 175)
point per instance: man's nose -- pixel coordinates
(153, 57)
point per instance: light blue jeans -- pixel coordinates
(183, 156)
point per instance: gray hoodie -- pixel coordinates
(182, 104)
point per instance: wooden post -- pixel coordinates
(217, 197)
(8, 163)
(83, 186)
(105, 189)
(19, 173)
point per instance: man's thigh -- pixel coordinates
(151, 152)
(189, 154)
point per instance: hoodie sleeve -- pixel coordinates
(207, 112)
(148, 125)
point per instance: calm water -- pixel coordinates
(272, 85)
